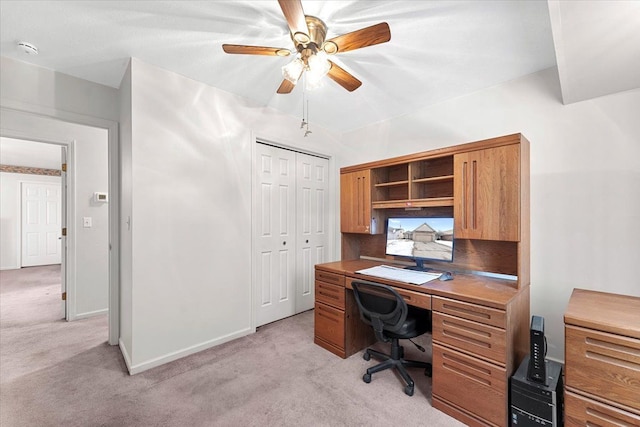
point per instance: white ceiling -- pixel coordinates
(438, 49)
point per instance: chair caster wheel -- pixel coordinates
(366, 378)
(428, 371)
(408, 390)
(366, 356)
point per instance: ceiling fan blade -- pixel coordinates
(293, 13)
(343, 77)
(286, 86)
(255, 50)
(375, 34)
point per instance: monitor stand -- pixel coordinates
(419, 266)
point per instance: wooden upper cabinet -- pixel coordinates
(486, 194)
(356, 214)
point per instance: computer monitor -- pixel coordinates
(420, 239)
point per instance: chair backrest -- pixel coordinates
(381, 307)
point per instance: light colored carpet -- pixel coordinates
(54, 373)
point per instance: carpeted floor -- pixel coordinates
(55, 373)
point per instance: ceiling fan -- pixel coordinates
(312, 50)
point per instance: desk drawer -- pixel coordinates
(603, 364)
(582, 411)
(416, 299)
(470, 383)
(333, 278)
(484, 340)
(475, 312)
(329, 324)
(330, 294)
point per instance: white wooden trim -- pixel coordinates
(170, 357)
(91, 313)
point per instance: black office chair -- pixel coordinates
(392, 320)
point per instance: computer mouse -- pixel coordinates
(446, 276)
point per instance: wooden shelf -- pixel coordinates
(434, 179)
(391, 184)
(414, 203)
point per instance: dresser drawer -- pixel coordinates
(475, 312)
(329, 324)
(603, 364)
(332, 278)
(483, 340)
(417, 299)
(464, 381)
(330, 294)
(582, 411)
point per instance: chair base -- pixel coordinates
(395, 361)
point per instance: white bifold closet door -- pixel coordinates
(291, 227)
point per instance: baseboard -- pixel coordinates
(10, 268)
(125, 355)
(141, 367)
(91, 314)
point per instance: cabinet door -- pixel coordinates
(355, 203)
(486, 196)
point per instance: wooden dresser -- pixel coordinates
(602, 359)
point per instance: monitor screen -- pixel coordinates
(421, 239)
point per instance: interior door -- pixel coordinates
(275, 233)
(312, 188)
(41, 219)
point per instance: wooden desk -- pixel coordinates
(602, 359)
(480, 334)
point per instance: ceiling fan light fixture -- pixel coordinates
(318, 67)
(330, 47)
(301, 38)
(293, 70)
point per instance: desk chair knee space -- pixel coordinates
(392, 320)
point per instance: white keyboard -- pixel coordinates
(400, 274)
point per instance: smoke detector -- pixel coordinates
(27, 48)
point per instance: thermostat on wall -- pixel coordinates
(100, 197)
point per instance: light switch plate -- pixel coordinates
(86, 222)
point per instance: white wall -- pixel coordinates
(28, 86)
(11, 217)
(189, 160)
(29, 95)
(585, 176)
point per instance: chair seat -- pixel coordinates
(412, 327)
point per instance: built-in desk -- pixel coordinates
(480, 333)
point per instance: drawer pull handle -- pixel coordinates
(466, 311)
(604, 417)
(328, 294)
(634, 352)
(467, 339)
(481, 371)
(465, 328)
(613, 361)
(467, 373)
(333, 319)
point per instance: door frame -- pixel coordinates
(34, 112)
(254, 209)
